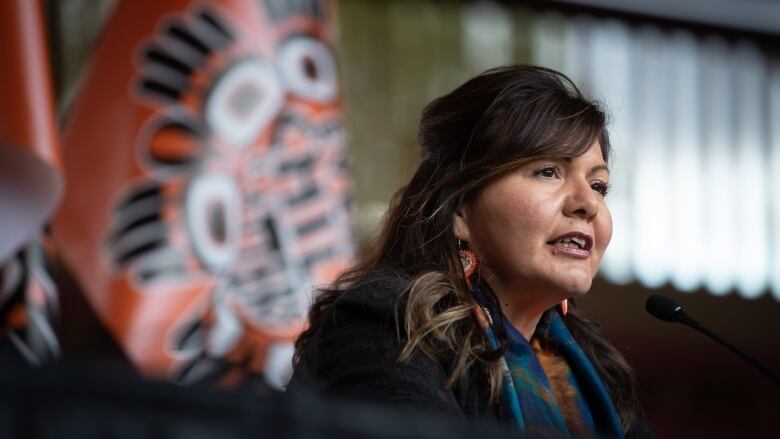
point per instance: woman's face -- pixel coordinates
(541, 231)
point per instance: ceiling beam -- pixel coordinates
(762, 16)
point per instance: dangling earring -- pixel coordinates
(468, 260)
(564, 306)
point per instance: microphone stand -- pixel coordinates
(685, 319)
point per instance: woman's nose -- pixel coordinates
(581, 200)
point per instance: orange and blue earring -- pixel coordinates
(468, 260)
(564, 306)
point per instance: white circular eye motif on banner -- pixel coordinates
(308, 68)
(213, 215)
(243, 101)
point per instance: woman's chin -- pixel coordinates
(576, 286)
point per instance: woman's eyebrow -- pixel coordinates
(594, 169)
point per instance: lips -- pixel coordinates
(573, 243)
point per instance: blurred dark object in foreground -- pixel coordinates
(101, 400)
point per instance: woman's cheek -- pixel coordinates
(607, 228)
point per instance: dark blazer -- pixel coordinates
(354, 355)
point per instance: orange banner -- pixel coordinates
(207, 186)
(30, 181)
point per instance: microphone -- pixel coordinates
(666, 309)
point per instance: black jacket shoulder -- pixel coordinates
(354, 354)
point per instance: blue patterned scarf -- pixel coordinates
(528, 398)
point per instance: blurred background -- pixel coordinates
(693, 92)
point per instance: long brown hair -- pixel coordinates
(484, 129)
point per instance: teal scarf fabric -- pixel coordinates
(528, 399)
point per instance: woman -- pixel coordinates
(464, 306)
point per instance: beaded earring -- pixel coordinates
(564, 306)
(468, 260)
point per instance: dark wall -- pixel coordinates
(691, 386)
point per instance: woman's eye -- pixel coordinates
(600, 187)
(547, 171)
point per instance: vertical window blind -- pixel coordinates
(695, 125)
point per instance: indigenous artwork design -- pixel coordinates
(30, 183)
(210, 190)
(28, 306)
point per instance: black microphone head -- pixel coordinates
(664, 308)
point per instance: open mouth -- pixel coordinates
(578, 241)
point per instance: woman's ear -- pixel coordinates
(460, 225)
